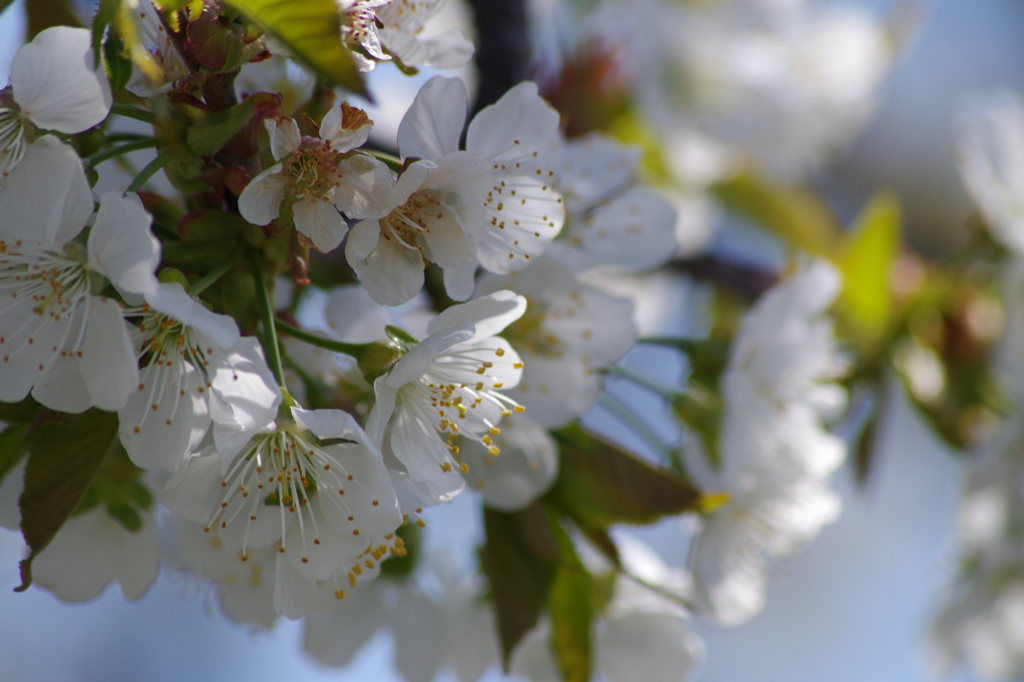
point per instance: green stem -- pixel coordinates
(641, 380)
(393, 162)
(134, 112)
(100, 157)
(631, 419)
(209, 278)
(126, 137)
(684, 345)
(149, 171)
(270, 346)
(351, 349)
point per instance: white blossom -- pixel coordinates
(448, 385)
(774, 454)
(54, 86)
(56, 333)
(569, 331)
(314, 176)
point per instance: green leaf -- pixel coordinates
(796, 215)
(600, 484)
(106, 13)
(571, 606)
(865, 258)
(12, 448)
(117, 67)
(311, 30)
(206, 137)
(519, 558)
(25, 412)
(63, 460)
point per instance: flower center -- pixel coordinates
(313, 170)
(55, 282)
(527, 334)
(12, 138)
(407, 223)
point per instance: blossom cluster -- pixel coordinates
(303, 335)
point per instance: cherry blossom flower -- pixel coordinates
(434, 211)
(57, 334)
(321, 506)
(309, 175)
(89, 552)
(445, 386)
(990, 146)
(775, 456)
(523, 470)
(403, 23)
(195, 357)
(163, 59)
(54, 86)
(608, 219)
(569, 331)
(524, 212)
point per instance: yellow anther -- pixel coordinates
(494, 451)
(339, 594)
(500, 352)
(357, 569)
(351, 580)
(520, 408)
(517, 365)
(464, 468)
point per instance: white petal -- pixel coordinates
(489, 314)
(164, 437)
(592, 168)
(172, 300)
(332, 424)
(260, 201)
(54, 82)
(382, 410)
(121, 245)
(194, 491)
(343, 139)
(320, 221)
(418, 360)
(333, 639)
(93, 549)
(418, 637)
(662, 646)
(29, 344)
(447, 242)
(516, 125)
(244, 397)
(366, 188)
(391, 274)
(48, 199)
(108, 362)
(353, 316)
(460, 281)
(420, 448)
(404, 46)
(448, 50)
(433, 124)
(62, 388)
(635, 230)
(368, 506)
(525, 468)
(284, 136)
(524, 215)
(555, 391)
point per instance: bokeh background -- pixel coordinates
(853, 607)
